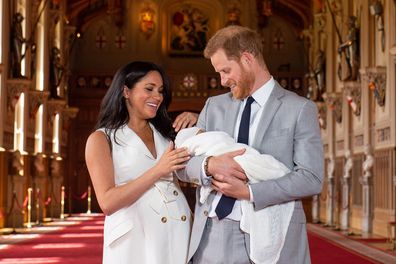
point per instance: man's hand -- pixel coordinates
(230, 186)
(226, 165)
(228, 176)
(185, 119)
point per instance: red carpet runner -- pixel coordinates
(80, 241)
(324, 252)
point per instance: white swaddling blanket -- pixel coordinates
(267, 227)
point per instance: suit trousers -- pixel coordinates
(222, 242)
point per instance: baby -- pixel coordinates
(267, 227)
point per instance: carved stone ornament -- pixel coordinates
(54, 107)
(334, 103)
(377, 83)
(322, 112)
(56, 167)
(39, 165)
(348, 164)
(353, 96)
(14, 90)
(36, 98)
(67, 114)
(368, 162)
(330, 167)
(320, 21)
(16, 163)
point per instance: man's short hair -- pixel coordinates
(235, 40)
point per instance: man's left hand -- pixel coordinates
(231, 186)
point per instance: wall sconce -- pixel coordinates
(267, 8)
(147, 23)
(376, 9)
(233, 16)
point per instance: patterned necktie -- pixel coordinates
(226, 203)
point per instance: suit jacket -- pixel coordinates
(289, 131)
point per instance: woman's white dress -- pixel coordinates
(156, 228)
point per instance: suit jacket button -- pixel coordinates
(206, 213)
(163, 219)
(183, 218)
(175, 193)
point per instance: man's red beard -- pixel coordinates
(243, 86)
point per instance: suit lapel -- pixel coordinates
(231, 117)
(270, 108)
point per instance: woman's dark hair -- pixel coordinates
(113, 110)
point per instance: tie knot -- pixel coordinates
(250, 100)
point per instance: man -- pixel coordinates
(274, 121)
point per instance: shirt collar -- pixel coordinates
(262, 94)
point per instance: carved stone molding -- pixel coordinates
(392, 50)
(39, 165)
(334, 103)
(353, 95)
(70, 36)
(320, 21)
(55, 107)
(330, 167)
(56, 167)
(367, 164)
(322, 112)
(376, 78)
(14, 90)
(36, 98)
(16, 164)
(69, 113)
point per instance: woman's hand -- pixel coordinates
(171, 160)
(185, 119)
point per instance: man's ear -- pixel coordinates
(247, 58)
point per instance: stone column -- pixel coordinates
(366, 181)
(345, 210)
(330, 191)
(315, 209)
(15, 190)
(56, 181)
(40, 182)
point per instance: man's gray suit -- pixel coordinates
(289, 131)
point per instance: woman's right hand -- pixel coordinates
(172, 160)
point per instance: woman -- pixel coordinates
(131, 159)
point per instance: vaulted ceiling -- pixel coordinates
(297, 13)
